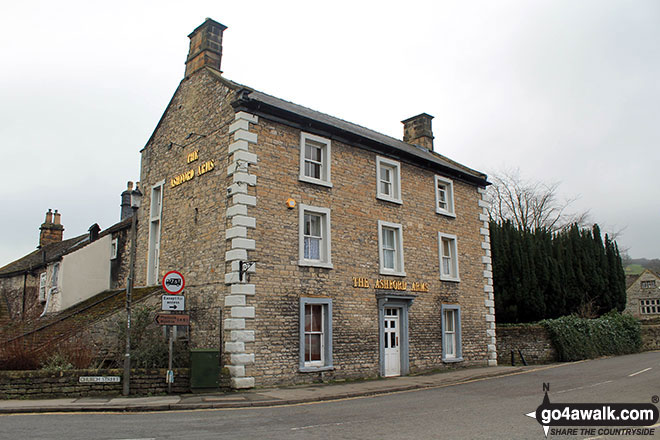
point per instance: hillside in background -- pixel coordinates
(635, 266)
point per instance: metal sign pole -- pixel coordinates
(170, 373)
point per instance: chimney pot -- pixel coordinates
(205, 46)
(125, 205)
(51, 230)
(417, 130)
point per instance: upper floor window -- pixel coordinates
(444, 196)
(448, 257)
(314, 159)
(648, 284)
(390, 248)
(114, 244)
(388, 180)
(314, 233)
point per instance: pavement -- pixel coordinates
(260, 397)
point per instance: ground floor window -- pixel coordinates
(649, 306)
(451, 333)
(315, 334)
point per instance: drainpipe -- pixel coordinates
(24, 293)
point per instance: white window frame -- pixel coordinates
(325, 259)
(457, 354)
(449, 196)
(325, 179)
(453, 257)
(155, 227)
(114, 244)
(395, 167)
(649, 306)
(326, 335)
(43, 280)
(398, 269)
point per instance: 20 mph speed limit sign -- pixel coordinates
(173, 282)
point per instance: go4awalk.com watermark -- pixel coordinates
(618, 419)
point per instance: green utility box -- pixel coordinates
(204, 368)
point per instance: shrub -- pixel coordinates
(15, 355)
(56, 362)
(149, 347)
(577, 338)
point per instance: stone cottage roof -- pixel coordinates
(54, 251)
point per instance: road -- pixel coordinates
(484, 409)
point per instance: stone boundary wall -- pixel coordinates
(650, 337)
(41, 384)
(532, 340)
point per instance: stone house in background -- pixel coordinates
(312, 248)
(643, 295)
(63, 273)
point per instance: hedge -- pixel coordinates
(577, 338)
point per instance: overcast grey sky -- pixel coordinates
(567, 91)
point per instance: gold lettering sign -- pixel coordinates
(420, 287)
(193, 156)
(187, 176)
(365, 283)
(205, 167)
(181, 178)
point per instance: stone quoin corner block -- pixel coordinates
(489, 304)
(240, 244)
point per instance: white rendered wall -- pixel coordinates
(85, 272)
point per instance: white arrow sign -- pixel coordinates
(173, 302)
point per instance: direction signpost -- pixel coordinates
(173, 302)
(167, 319)
(173, 283)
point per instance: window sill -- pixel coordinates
(452, 360)
(315, 369)
(315, 181)
(385, 198)
(307, 263)
(392, 273)
(451, 280)
(446, 213)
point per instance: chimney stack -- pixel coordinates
(126, 210)
(51, 229)
(417, 130)
(205, 46)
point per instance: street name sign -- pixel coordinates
(173, 302)
(98, 379)
(166, 319)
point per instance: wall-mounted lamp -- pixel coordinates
(243, 267)
(290, 203)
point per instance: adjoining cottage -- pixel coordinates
(62, 273)
(313, 248)
(643, 295)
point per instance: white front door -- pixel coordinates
(391, 326)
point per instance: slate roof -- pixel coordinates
(280, 110)
(54, 251)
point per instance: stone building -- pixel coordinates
(643, 295)
(62, 273)
(312, 248)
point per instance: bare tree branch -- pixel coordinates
(531, 205)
